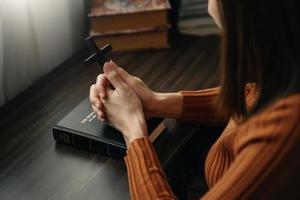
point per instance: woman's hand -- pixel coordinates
(96, 96)
(146, 95)
(122, 106)
(154, 104)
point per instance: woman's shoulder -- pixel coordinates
(274, 123)
(285, 110)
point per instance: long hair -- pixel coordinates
(261, 44)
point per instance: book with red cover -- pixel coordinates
(130, 24)
(118, 7)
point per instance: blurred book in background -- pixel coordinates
(194, 18)
(130, 24)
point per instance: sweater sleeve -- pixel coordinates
(147, 180)
(199, 106)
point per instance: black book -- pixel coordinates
(81, 128)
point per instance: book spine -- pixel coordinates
(74, 140)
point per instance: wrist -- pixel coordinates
(137, 129)
(166, 105)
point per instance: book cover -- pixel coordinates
(81, 128)
(129, 31)
(135, 41)
(118, 7)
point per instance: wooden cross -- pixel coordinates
(98, 55)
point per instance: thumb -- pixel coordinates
(113, 76)
(128, 78)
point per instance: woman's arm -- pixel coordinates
(166, 105)
(185, 105)
(147, 180)
(199, 106)
(124, 111)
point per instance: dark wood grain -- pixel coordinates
(33, 166)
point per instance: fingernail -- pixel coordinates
(106, 64)
(106, 68)
(115, 66)
(97, 105)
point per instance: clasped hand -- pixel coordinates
(114, 99)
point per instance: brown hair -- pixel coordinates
(260, 43)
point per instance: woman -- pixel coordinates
(257, 155)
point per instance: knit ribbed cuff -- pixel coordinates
(143, 147)
(146, 177)
(199, 105)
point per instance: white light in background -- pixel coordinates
(38, 35)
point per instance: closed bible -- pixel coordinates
(81, 128)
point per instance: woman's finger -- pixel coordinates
(101, 119)
(114, 77)
(96, 110)
(101, 85)
(94, 98)
(99, 112)
(123, 73)
(128, 78)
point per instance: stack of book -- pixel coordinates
(194, 18)
(129, 24)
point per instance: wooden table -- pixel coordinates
(33, 166)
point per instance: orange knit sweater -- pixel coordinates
(256, 159)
